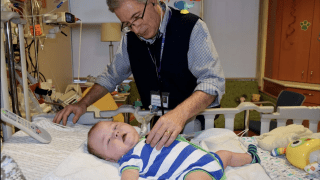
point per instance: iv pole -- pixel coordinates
(8, 17)
(35, 39)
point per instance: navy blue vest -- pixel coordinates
(176, 78)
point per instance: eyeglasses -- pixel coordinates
(126, 27)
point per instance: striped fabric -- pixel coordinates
(174, 162)
(252, 150)
(203, 62)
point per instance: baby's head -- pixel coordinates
(111, 140)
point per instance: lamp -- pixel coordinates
(110, 32)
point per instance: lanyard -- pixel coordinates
(158, 69)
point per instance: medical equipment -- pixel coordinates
(143, 120)
(34, 23)
(70, 97)
(7, 18)
(59, 18)
(31, 129)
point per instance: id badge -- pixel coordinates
(155, 99)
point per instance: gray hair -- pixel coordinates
(114, 4)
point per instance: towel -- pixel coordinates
(282, 136)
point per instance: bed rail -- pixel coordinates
(297, 113)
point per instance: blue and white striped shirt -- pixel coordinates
(173, 162)
(203, 62)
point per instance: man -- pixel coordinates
(167, 52)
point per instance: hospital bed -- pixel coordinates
(66, 157)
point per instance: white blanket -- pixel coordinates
(216, 139)
(81, 165)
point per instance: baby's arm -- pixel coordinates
(130, 174)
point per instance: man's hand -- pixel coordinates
(166, 130)
(168, 127)
(77, 109)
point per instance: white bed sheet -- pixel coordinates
(36, 159)
(279, 168)
(66, 157)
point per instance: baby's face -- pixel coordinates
(113, 139)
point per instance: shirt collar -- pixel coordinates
(164, 23)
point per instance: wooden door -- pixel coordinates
(296, 30)
(314, 62)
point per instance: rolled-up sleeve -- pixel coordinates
(119, 70)
(204, 63)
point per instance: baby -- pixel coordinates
(120, 142)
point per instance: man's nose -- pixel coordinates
(136, 29)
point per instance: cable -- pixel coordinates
(34, 71)
(79, 54)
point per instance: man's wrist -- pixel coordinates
(193, 105)
(83, 103)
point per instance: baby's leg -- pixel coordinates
(239, 159)
(233, 159)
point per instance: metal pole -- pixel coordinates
(111, 52)
(13, 86)
(201, 11)
(7, 128)
(24, 72)
(35, 40)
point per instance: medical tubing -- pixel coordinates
(29, 76)
(58, 6)
(32, 65)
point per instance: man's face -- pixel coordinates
(147, 27)
(113, 139)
